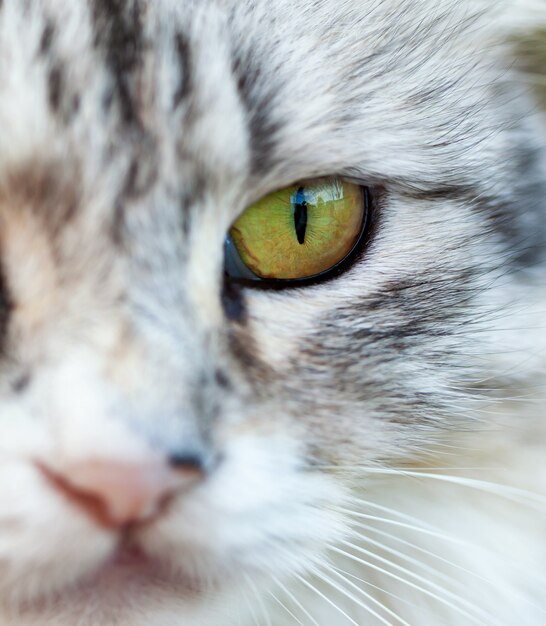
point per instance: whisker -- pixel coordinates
(290, 595)
(442, 444)
(409, 583)
(418, 528)
(504, 491)
(417, 577)
(253, 616)
(415, 546)
(403, 470)
(326, 599)
(515, 494)
(405, 557)
(391, 511)
(259, 600)
(378, 588)
(432, 533)
(286, 608)
(340, 573)
(349, 595)
(432, 451)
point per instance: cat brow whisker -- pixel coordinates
(326, 599)
(409, 583)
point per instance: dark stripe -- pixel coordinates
(442, 192)
(222, 379)
(64, 102)
(517, 216)
(522, 220)
(131, 185)
(21, 383)
(50, 191)
(6, 307)
(233, 302)
(47, 38)
(259, 103)
(183, 53)
(142, 173)
(118, 29)
(244, 350)
(118, 224)
(55, 87)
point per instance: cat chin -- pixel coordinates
(128, 571)
(135, 606)
(129, 588)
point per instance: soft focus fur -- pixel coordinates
(379, 436)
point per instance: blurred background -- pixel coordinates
(533, 56)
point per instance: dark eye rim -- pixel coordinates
(366, 233)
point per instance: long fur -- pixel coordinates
(378, 438)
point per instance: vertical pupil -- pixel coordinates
(300, 215)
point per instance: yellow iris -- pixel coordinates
(302, 230)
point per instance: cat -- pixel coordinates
(183, 446)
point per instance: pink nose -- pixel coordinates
(118, 494)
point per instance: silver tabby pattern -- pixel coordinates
(373, 445)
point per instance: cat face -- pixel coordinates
(133, 134)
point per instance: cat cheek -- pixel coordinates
(259, 512)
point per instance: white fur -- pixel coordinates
(114, 337)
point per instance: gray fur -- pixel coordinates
(132, 134)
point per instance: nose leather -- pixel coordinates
(117, 494)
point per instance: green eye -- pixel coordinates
(298, 232)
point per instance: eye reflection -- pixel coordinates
(298, 232)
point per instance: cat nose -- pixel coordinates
(118, 494)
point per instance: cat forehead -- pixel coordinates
(113, 97)
(240, 96)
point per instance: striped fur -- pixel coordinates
(378, 437)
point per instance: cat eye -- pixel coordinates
(302, 232)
